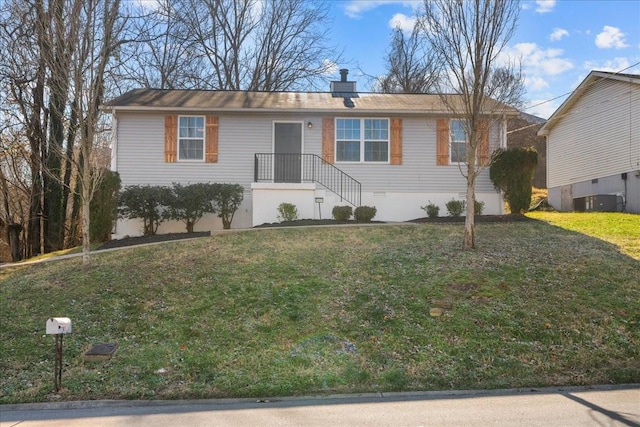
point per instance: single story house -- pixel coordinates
(316, 150)
(593, 146)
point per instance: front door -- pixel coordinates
(287, 142)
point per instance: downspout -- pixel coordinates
(114, 141)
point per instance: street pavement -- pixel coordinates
(566, 407)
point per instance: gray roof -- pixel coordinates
(202, 100)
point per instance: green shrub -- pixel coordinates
(478, 207)
(455, 207)
(365, 213)
(104, 208)
(226, 201)
(512, 173)
(190, 203)
(288, 212)
(431, 209)
(146, 202)
(342, 213)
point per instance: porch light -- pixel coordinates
(309, 125)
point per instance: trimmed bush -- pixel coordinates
(190, 203)
(146, 202)
(431, 209)
(287, 212)
(364, 213)
(455, 207)
(478, 207)
(226, 201)
(342, 213)
(512, 173)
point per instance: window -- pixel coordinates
(458, 142)
(191, 138)
(362, 140)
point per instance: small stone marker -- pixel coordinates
(100, 352)
(436, 312)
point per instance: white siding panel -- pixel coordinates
(599, 136)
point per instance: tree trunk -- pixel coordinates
(86, 211)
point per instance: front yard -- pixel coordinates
(295, 311)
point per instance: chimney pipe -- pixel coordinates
(343, 74)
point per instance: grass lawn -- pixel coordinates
(296, 311)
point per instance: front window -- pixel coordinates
(458, 142)
(191, 138)
(362, 140)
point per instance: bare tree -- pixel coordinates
(411, 65)
(469, 36)
(267, 45)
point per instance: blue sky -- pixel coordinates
(559, 42)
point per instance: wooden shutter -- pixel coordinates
(328, 139)
(483, 142)
(211, 140)
(170, 139)
(442, 144)
(396, 141)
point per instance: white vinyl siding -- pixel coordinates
(598, 136)
(140, 155)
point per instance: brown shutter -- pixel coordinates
(442, 145)
(211, 140)
(170, 139)
(483, 142)
(396, 141)
(328, 142)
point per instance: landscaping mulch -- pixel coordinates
(140, 240)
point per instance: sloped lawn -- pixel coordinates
(295, 311)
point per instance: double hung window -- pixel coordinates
(191, 138)
(458, 142)
(362, 140)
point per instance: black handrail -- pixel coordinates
(272, 167)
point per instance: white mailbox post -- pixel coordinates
(58, 326)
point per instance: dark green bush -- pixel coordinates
(342, 213)
(364, 213)
(455, 207)
(104, 208)
(512, 173)
(226, 201)
(189, 203)
(478, 207)
(287, 212)
(146, 202)
(431, 209)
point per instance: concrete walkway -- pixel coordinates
(567, 407)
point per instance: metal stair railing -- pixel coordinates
(272, 167)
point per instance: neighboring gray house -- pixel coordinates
(396, 152)
(593, 146)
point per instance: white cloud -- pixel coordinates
(558, 34)
(355, 8)
(611, 37)
(613, 65)
(540, 61)
(406, 23)
(535, 83)
(545, 6)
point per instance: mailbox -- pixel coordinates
(58, 325)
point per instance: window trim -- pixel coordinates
(362, 141)
(451, 142)
(204, 139)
